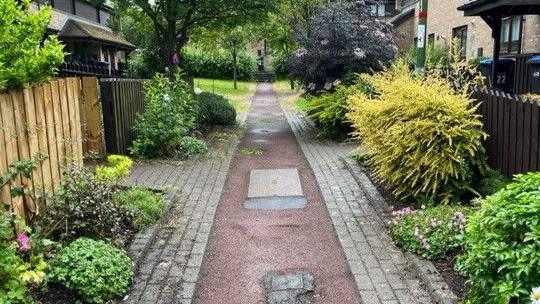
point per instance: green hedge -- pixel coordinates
(217, 65)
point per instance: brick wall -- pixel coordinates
(443, 17)
(405, 33)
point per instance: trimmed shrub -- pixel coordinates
(431, 232)
(424, 138)
(145, 204)
(215, 110)
(280, 65)
(96, 271)
(170, 113)
(502, 244)
(218, 64)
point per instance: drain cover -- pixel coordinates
(275, 189)
(274, 182)
(286, 287)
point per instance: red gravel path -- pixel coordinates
(246, 244)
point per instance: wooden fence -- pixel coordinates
(122, 100)
(513, 125)
(42, 119)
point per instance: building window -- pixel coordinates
(63, 5)
(383, 8)
(104, 17)
(86, 10)
(461, 34)
(511, 34)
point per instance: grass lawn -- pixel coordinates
(239, 98)
(291, 97)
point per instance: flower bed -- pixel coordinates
(73, 250)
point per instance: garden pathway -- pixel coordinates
(335, 249)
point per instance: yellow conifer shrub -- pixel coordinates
(423, 138)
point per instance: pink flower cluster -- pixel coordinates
(24, 242)
(396, 215)
(458, 221)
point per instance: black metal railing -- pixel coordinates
(98, 69)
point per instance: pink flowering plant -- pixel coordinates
(430, 232)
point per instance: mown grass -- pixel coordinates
(239, 97)
(291, 97)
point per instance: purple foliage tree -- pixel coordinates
(342, 37)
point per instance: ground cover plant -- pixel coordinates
(501, 244)
(146, 205)
(96, 271)
(170, 115)
(423, 137)
(431, 232)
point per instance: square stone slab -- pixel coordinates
(274, 182)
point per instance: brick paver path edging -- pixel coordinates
(379, 267)
(168, 271)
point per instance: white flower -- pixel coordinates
(166, 98)
(311, 86)
(358, 52)
(324, 41)
(535, 295)
(197, 91)
(328, 85)
(301, 52)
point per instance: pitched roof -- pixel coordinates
(402, 16)
(500, 7)
(76, 29)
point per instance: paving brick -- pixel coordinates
(378, 266)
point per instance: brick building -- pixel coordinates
(520, 34)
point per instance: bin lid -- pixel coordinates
(534, 60)
(503, 60)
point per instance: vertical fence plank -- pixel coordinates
(41, 129)
(94, 126)
(31, 128)
(512, 130)
(59, 128)
(52, 139)
(74, 121)
(535, 137)
(527, 112)
(6, 118)
(64, 120)
(14, 148)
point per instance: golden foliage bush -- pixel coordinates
(423, 138)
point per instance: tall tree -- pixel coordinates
(173, 20)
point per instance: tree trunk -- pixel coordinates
(292, 84)
(235, 67)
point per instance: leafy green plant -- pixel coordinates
(191, 146)
(424, 139)
(169, 115)
(215, 110)
(25, 57)
(35, 196)
(501, 241)
(85, 206)
(145, 204)
(96, 271)
(252, 151)
(430, 232)
(328, 110)
(19, 265)
(118, 170)
(491, 182)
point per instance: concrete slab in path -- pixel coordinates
(274, 182)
